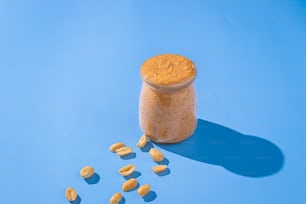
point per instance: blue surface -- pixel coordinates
(69, 87)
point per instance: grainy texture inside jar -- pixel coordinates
(167, 100)
(167, 117)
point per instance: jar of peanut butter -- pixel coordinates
(167, 106)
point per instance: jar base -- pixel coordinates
(175, 141)
(171, 140)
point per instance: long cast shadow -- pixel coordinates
(241, 154)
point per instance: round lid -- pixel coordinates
(169, 70)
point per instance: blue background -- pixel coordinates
(69, 88)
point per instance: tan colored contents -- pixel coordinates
(156, 155)
(159, 168)
(116, 146)
(87, 172)
(127, 170)
(129, 184)
(168, 69)
(71, 194)
(144, 190)
(167, 106)
(167, 117)
(116, 198)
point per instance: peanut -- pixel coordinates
(115, 199)
(156, 154)
(123, 151)
(143, 190)
(116, 146)
(129, 184)
(71, 194)
(127, 170)
(87, 171)
(159, 168)
(142, 141)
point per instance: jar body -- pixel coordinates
(167, 116)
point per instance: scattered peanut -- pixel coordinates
(115, 199)
(129, 184)
(87, 171)
(159, 168)
(142, 141)
(116, 146)
(127, 170)
(143, 190)
(123, 151)
(156, 155)
(71, 194)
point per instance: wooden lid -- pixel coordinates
(168, 70)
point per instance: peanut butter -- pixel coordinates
(167, 107)
(168, 69)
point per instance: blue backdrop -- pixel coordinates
(69, 88)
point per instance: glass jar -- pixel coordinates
(167, 106)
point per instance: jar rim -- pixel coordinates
(172, 87)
